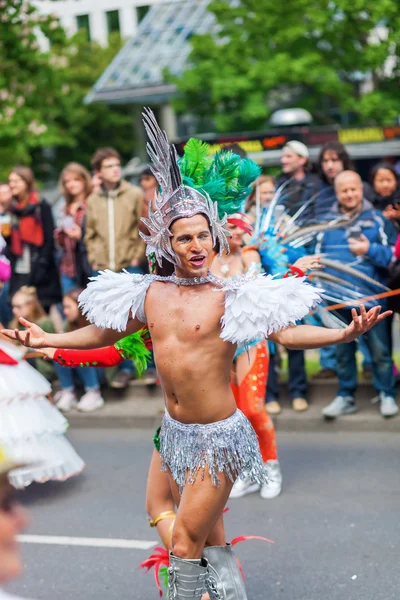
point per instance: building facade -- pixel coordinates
(99, 18)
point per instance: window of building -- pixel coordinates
(83, 23)
(141, 12)
(112, 21)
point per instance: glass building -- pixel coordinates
(136, 75)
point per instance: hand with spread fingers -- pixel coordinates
(363, 322)
(32, 337)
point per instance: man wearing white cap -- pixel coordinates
(303, 185)
(300, 186)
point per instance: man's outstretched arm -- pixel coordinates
(308, 337)
(81, 339)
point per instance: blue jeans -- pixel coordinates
(363, 348)
(327, 358)
(68, 283)
(5, 309)
(297, 383)
(377, 342)
(69, 375)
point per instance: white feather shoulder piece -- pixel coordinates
(257, 306)
(110, 299)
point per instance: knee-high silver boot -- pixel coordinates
(225, 581)
(186, 578)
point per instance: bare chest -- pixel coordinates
(187, 313)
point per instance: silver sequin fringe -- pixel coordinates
(229, 446)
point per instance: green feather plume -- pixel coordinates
(134, 348)
(195, 160)
(225, 177)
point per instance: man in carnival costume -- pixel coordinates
(196, 320)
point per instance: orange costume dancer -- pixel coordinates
(250, 369)
(250, 399)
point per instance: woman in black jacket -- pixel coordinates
(384, 181)
(31, 245)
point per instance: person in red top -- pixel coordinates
(31, 244)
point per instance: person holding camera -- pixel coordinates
(76, 186)
(366, 243)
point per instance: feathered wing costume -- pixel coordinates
(31, 428)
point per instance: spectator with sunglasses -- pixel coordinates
(13, 520)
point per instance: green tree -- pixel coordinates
(86, 127)
(42, 93)
(27, 81)
(330, 57)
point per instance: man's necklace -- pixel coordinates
(209, 278)
(227, 284)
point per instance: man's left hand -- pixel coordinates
(359, 247)
(363, 322)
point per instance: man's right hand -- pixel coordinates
(32, 337)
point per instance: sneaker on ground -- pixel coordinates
(121, 380)
(341, 405)
(388, 406)
(242, 488)
(325, 374)
(273, 407)
(92, 400)
(299, 404)
(273, 488)
(65, 400)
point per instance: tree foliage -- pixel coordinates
(42, 92)
(330, 57)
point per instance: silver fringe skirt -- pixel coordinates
(229, 446)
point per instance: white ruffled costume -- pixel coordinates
(255, 305)
(31, 428)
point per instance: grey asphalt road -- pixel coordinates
(336, 525)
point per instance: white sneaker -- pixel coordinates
(65, 400)
(92, 400)
(242, 488)
(272, 489)
(341, 405)
(388, 405)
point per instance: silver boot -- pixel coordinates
(186, 578)
(225, 581)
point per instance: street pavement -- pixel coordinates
(336, 526)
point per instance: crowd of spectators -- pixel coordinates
(53, 250)
(367, 242)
